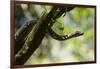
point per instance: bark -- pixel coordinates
(22, 33)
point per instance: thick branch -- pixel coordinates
(34, 39)
(21, 34)
(24, 30)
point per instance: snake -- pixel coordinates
(58, 13)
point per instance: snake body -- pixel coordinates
(59, 12)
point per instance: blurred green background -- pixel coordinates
(73, 50)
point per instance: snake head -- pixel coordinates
(75, 34)
(79, 33)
